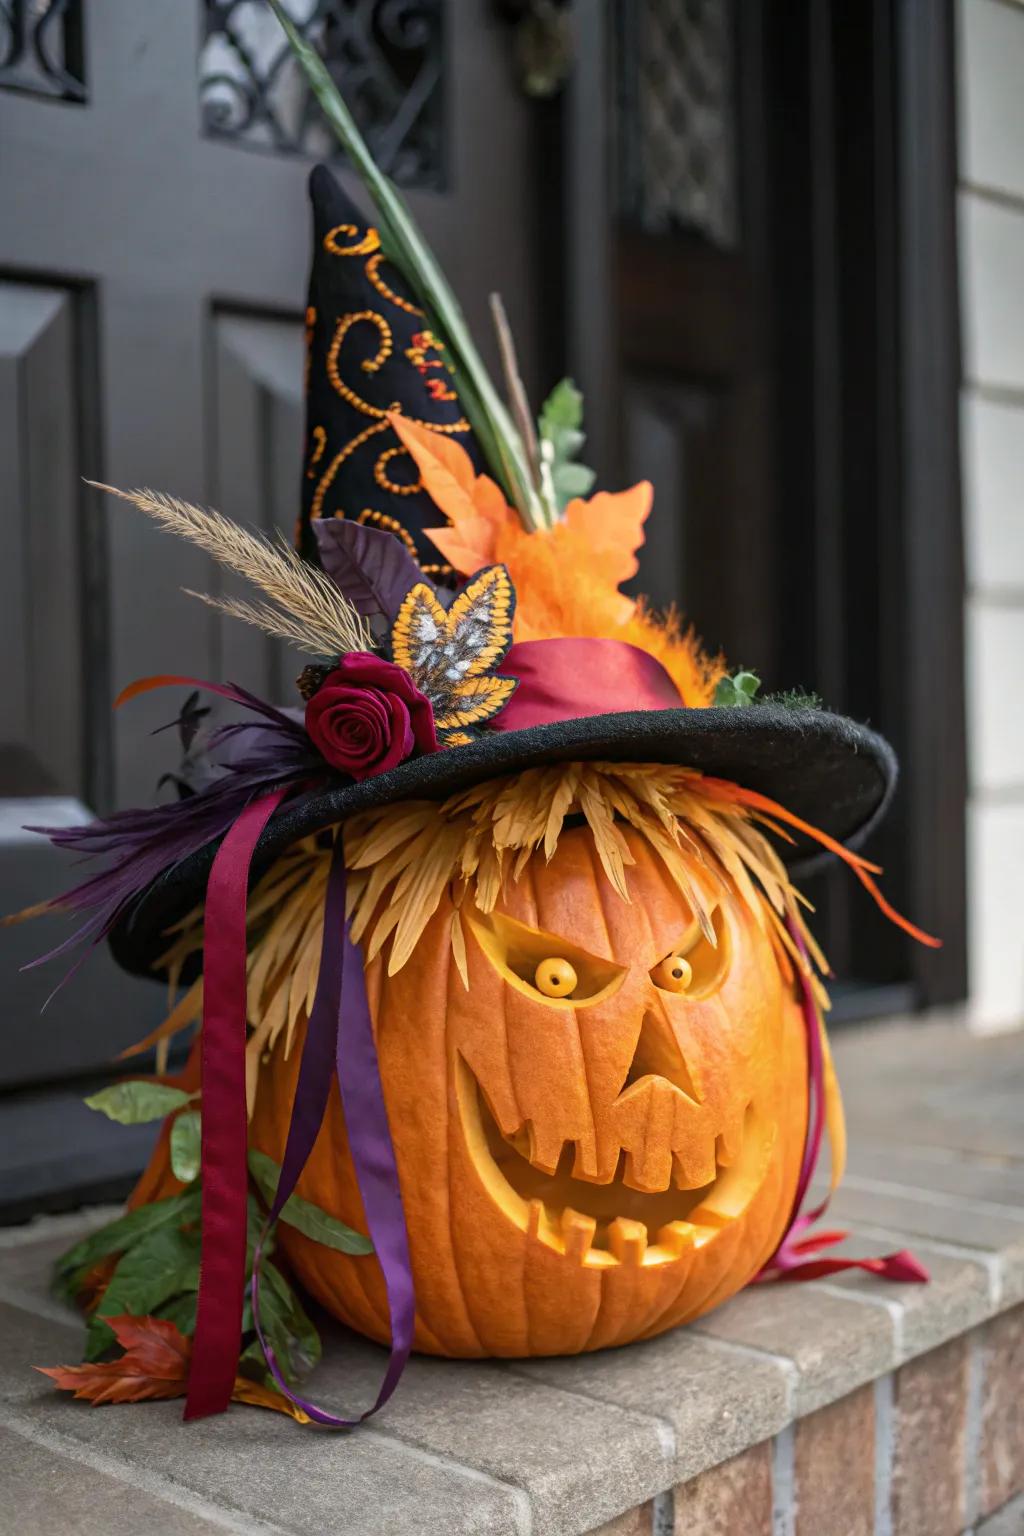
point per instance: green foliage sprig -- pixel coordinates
(738, 691)
(561, 438)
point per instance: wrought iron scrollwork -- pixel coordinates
(41, 48)
(386, 55)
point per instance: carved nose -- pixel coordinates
(658, 1054)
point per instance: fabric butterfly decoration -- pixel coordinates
(452, 655)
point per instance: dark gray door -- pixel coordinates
(153, 252)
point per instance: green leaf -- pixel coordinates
(306, 1218)
(119, 1236)
(738, 691)
(562, 408)
(289, 1332)
(162, 1266)
(181, 1311)
(406, 247)
(572, 480)
(560, 421)
(186, 1141)
(133, 1102)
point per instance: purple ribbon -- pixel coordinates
(339, 1037)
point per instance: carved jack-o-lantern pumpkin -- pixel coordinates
(596, 1140)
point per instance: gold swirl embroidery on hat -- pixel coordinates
(383, 479)
(368, 365)
(372, 270)
(364, 244)
(389, 524)
(319, 436)
(327, 478)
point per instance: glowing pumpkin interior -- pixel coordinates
(598, 1139)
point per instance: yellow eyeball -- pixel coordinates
(555, 978)
(674, 974)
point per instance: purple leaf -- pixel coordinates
(373, 568)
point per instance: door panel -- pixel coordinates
(258, 451)
(40, 611)
(150, 335)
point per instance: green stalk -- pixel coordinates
(404, 245)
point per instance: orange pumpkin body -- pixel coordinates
(577, 1171)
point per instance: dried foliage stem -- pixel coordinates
(519, 405)
(310, 612)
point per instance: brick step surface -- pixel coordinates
(832, 1408)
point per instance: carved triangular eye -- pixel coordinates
(544, 966)
(694, 967)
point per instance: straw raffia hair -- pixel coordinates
(403, 858)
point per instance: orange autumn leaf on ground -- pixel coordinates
(567, 578)
(154, 1365)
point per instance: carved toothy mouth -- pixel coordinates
(597, 1225)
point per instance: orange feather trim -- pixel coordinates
(723, 790)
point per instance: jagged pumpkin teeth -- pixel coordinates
(627, 1240)
(692, 1170)
(578, 1234)
(535, 1217)
(678, 1236)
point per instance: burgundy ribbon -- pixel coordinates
(218, 1332)
(569, 679)
(339, 1038)
(791, 1259)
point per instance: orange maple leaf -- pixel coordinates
(154, 1365)
(476, 509)
(567, 578)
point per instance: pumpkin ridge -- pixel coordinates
(454, 1128)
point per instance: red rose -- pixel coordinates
(368, 716)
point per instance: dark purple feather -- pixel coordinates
(139, 845)
(373, 568)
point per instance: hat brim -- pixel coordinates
(831, 772)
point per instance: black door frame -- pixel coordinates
(934, 587)
(853, 151)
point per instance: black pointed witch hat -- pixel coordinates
(369, 350)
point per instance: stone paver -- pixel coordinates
(959, 1293)
(711, 1401)
(580, 1459)
(45, 1491)
(1008, 1521)
(836, 1344)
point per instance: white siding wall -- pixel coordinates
(991, 214)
